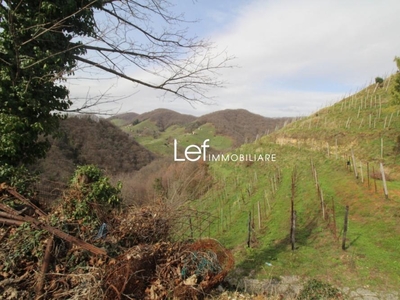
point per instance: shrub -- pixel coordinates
(378, 80)
(17, 177)
(317, 290)
(395, 91)
(90, 195)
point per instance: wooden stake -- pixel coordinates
(336, 148)
(380, 107)
(346, 224)
(249, 231)
(334, 218)
(390, 120)
(384, 181)
(322, 202)
(388, 84)
(354, 164)
(293, 230)
(376, 86)
(292, 211)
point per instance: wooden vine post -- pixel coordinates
(249, 231)
(345, 227)
(354, 164)
(384, 182)
(293, 230)
(334, 218)
(292, 211)
(373, 172)
(321, 195)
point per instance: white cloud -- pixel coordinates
(294, 56)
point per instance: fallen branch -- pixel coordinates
(45, 266)
(9, 281)
(12, 218)
(26, 201)
(10, 222)
(8, 209)
(72, 239)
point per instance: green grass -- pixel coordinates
(372, 255)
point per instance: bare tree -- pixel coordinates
(146, 36)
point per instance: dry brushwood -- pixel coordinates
(146, 225)
(163, 270)
(13, 218)
(150, 266)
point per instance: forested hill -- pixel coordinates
(241, 125)
(85, 141)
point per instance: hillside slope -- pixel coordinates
(366, 122)
(253, 198)
(84, 141)
(241, 125)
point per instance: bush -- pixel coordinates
(317, 290)
(378, 80)
(17, 177)
(395, 91)
(90, 195)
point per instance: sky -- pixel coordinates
(292, 58)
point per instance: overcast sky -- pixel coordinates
(293, 57)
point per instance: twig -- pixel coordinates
(9, 281)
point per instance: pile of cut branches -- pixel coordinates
(88, 247)
(168, 270)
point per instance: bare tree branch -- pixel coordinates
(180, 65)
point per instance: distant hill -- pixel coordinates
(85, 141)
(165, 118)
(228, 128)
(241, 125)
(123, 119)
